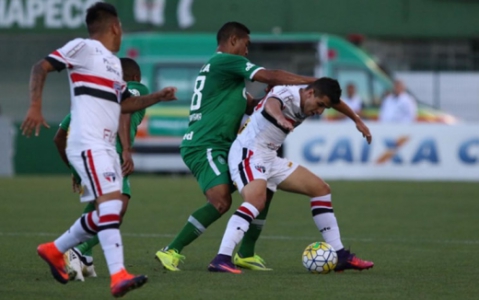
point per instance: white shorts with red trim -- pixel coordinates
(99, 170)
(248, 164)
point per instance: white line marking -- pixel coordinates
(266, 237)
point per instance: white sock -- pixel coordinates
(83, 229)
(109, 234)
(236, 228)
(325, 220)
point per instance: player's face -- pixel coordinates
(117, 34)
(241, 46)
(315, 105)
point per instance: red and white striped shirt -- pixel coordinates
(261, 131)
(96, 90)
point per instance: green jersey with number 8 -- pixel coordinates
(219, 101)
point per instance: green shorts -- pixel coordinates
(208, 165)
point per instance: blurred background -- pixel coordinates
(408, 67)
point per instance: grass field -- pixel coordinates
(423, 238)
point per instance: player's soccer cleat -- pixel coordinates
(222, 263)
(170, 259)
(349, 261)
(54, 258)
(74, 266)
(123, 282)
(88, 269)
(255, 263)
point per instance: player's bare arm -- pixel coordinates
(125, 141)
(34, 118)
(273, 107)
(280, 77)
(346, 110)
(136, 103)
(60, 141)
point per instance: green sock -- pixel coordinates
(196, 225)
(85, 248)
(251, 236)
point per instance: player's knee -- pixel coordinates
(321, 188)
(221, 204)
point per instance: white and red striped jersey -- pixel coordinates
(261, 131)
(96, 90)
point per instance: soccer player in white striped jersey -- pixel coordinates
(256, 168)
(98, 95)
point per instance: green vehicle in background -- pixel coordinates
(175, 59)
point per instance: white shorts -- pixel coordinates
(99, 170)
(247, 165)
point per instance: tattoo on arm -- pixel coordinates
(38, 76)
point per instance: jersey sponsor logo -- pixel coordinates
(249, 66)
(75, 49)
(108, 135)
(110, 176)
(195, 117)
(134, 92)
(112, 67)
(272, 146)
(188, 136)
(221, 160)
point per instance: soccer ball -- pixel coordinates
(320, 258)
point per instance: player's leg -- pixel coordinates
(83, 252)
(83, 229)
(210, 169)
(80, 257)
(302, 181)
(250, 176)
(246, 257)
(107, 186)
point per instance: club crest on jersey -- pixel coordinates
(110, 176)
(262, 169)
(117, 87)
(221, 160)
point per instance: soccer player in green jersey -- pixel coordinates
(79, 259)
(218, 104)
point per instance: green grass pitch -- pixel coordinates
(423, 238)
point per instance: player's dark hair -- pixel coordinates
(231, 29)
(130, 68)
(326, 86)
(98, 15)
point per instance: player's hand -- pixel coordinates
(76, 187)
(128, 165)
(167, 94)
(285, 124)
(33, 120)
(364, 130)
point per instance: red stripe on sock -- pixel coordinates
(109, 218)
(246, 211)
(321, 203)
(91, 223)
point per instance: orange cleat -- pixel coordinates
(54, 258)
(351, 261)
(123, 282)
